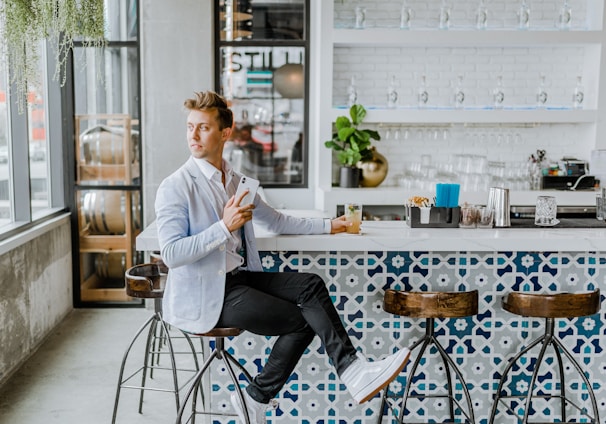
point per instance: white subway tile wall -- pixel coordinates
(521, 69)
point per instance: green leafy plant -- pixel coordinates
(351, 143)
(25, 24)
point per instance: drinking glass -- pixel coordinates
(468, 217)
(485, 217)
(600, 208)
(546, 211)
(353, 214)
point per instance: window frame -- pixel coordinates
(305, 44)
(18, 150)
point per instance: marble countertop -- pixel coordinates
(396, 236)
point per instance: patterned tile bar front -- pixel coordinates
(480, 345)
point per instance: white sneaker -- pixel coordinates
(365, 379)
(256, 410)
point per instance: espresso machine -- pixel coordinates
(571, 174)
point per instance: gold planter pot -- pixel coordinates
(374, 170)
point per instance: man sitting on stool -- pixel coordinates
(203, 232)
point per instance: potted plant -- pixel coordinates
(25, 24)
(352, 145)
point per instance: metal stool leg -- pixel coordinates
(385, 396)
(448, 360)
(503, 379)
(547, 339)
(425, 340)
(594, 405)
(150, 334)
(123, 364)
(533, 378)
(154, 325)
(218, 353)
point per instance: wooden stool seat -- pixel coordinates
(431, 304)
(221, 332)
(146, 281)
(558, 305)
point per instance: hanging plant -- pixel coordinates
(24, 24)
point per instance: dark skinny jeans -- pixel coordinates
(293, 306)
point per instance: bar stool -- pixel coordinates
(220, 354)
(147, 281)
(432, 305)
(548, 306)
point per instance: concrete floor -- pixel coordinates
(72, 377)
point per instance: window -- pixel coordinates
(6, 209)
(29, 189)
(107, 184)
(37, 143)
(263, 52)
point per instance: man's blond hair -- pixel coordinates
(208, 101)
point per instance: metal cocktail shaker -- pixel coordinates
(498, 200)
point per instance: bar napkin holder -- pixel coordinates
(432, 217)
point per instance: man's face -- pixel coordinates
(204, 137)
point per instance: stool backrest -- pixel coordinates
(146, 280)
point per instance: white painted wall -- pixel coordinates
(176, 60)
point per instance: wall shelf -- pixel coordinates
(461, 38)
(517, 54)
(440, 116)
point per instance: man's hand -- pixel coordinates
(339, 225)
(234, 215)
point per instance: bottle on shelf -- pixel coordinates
(405, 15)
(360, 17)
(498, 94)
(542, 95)
(524, 15)
(578, 95)
(352, 92)
(392, 93)
(444, 18)
(422, 93)
(459, 93)
(482, 15)
(565, 16)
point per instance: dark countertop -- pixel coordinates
(564, 223)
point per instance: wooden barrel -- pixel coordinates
(104, 145)
(110, 265)
(104, 211)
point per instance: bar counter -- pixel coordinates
(395, 236)
(357, 270)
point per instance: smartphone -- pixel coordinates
(247, 183)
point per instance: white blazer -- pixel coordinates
(193, 245)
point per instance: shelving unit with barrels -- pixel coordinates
(109, 207)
